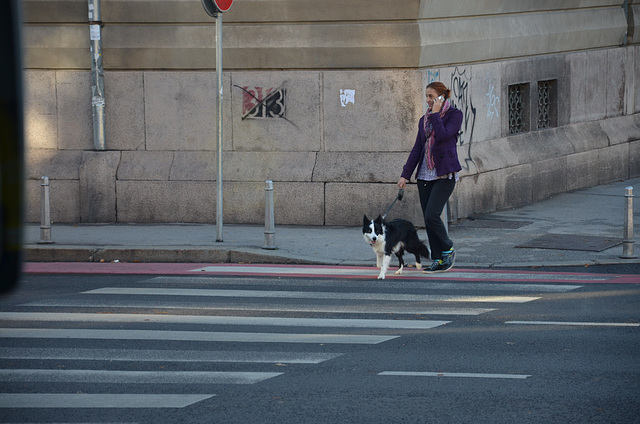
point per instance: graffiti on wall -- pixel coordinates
(261, 102)
(493, 104)
(432, 76)
(347, 97)
(461, 99)
(264, 103)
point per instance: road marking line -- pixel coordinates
(281, 294)
(167, 355)
(592, 324)
(102, 400)
(134, 377)
(262, 307)
(300, 270)
(220, 320)
(502, 287)
(453, 374)
(196, 336)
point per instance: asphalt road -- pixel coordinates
(275, 349)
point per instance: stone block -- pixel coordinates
(57, 46)
(274, 166)
(294, 203)
(145, 165)
(582, 170)
(517, 185)
(244, 166)
(175, 46)
(98, 186)
(620, 130)
(636, 56)
(480, 193)
(297, 203)
(347, 203)
(490, 191)
(596, 90)
(55, 164)
(548, 177)
(276, 111)
(54, 11)
(586, 136)
(166, 201)
(615, 82)
(577, 69)
(64, 197)
(533, 146)
(491, 155)
(124, 111)
(634, 159)
(244, 202)
(505, 35)
(613, 163)
(486, 93)
(359, 167)
(378, 111)
(75, 121)
(630, 85)
(40, 110)
(181, 111)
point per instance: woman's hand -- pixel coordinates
(402, 183)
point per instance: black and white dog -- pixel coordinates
(393, 237)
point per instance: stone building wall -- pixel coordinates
(342, 88)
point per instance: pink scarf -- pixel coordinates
(428, 131)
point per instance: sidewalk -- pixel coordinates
(591, 220)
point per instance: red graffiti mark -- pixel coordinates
(253, 97)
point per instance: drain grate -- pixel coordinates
(572, 242)
(493, 223)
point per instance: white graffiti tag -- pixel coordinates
(493, 104)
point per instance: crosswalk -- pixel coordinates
(194, 334)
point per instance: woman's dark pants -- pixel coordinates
(433, 198)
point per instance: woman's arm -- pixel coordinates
(445, 130)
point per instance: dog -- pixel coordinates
(394, 237)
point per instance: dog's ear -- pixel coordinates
(366, 221)
(379, 219)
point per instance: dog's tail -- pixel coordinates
(424, 250)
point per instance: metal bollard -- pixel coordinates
(627, 241)
(269, 224)
(45, 213)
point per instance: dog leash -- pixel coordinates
(398, 197)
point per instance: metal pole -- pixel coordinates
(219, 125)
(45, 213)
(627, 241)
(269, 222)
(97, 80)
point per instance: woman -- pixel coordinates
(435, 156)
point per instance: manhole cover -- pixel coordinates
(494, 223)
(572, 242)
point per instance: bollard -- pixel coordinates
(627, 240)
(269, 225)
(45, 214)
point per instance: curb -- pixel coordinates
(178, 254)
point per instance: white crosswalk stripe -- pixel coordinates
(189, 319)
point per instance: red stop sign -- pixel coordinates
(223, 5)
(213, 7)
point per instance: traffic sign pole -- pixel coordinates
(219, 126)
(215, 8)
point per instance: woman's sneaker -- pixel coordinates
(444, 264)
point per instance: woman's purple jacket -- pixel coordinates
(445, 155)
